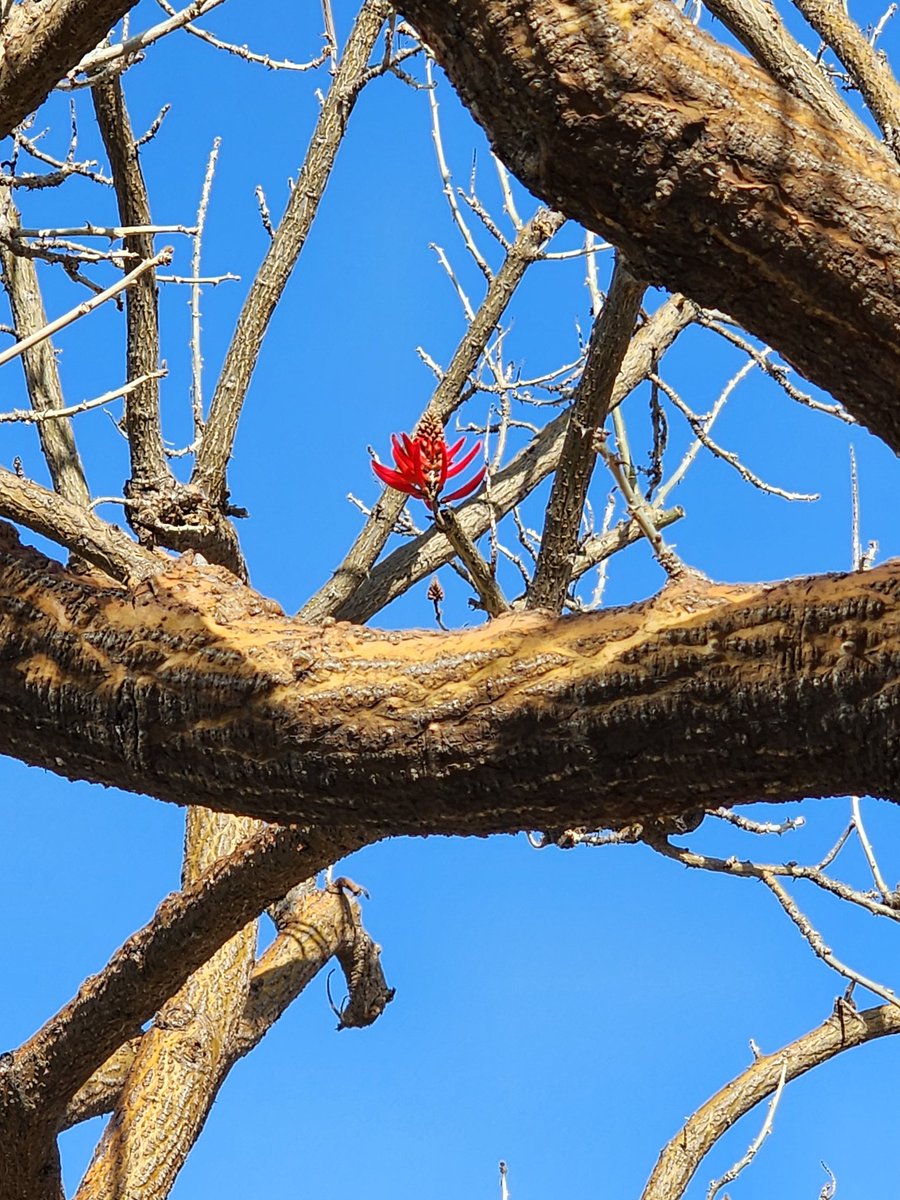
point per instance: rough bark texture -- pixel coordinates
(194, 687)
(712, 179)
(42, 40)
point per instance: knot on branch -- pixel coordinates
(180, 516)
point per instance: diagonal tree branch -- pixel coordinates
(290, 236)
(315, 926)
(610, 338)
(47, 1070)
(868, 69)
(184, 1058)
(355, 569)
(844, 1030)
(421, 557)
(74, 527)
(43, 39)
(41, 372)
(699, 167)
(758, 26)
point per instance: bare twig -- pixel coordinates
(753, 1149)
(196, 356)
(27, 416)
(87, 306)
(290, 237)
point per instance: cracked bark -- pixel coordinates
(192, 685)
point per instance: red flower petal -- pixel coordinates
(468, 488)
(464, 462)
(395, 480)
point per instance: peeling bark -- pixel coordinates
(711, 178)
(195, 689)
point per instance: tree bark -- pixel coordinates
(43, 39)
(195, 689)
(710, 177)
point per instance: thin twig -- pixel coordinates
(196, 356)
(86, 306)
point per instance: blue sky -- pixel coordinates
(564, 1011)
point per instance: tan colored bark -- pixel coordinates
(194, 686)
(844, 1030)
(40, 41)
(183, 1059)
(712, 179)
(313, 929)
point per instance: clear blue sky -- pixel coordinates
(563, 1011)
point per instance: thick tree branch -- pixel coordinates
(314, 926)
(193, 686)
(184, 1058)
(710, 177)
(72, 526)
(43, 39)
(37, 1080)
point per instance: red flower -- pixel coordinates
(424, 463)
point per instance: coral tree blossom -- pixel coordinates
(424, 463)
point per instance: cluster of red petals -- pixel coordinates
(424, 463)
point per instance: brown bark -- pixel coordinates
(43, 39)
(194, 688)
(712, 179)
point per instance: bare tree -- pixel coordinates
(744, 185)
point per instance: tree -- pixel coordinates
(747, 187)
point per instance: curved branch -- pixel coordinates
(843, 1030)
(710, 177)
(193, 687)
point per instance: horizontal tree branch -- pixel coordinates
(709, 176)
(193, 688)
